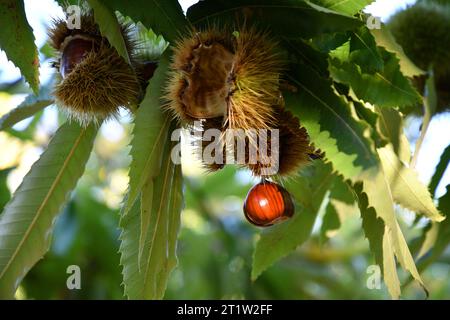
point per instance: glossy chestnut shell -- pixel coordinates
(268, 203)
(75, 51)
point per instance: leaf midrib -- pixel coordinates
(379, 75)
(44, 203)
(164, 186)
(426, 211)
(141, 181)
(358, 139)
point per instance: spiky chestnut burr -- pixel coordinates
(294, 148)
(216, 73)
(232, 81)
(95, 80)
(203, 145)
(423, 32)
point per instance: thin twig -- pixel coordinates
(429, 106)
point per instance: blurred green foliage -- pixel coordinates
(215, 252)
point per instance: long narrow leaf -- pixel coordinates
(27, 221)
(149, 135)
(146, 270)
(407, 190)
(17, 39)
(110, 27)
(30, 106)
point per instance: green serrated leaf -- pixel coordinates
(388, 88)
(154, 45)
(130, 226)
(163, 242)
(149, 135)
(385, 39)
(279, 240)
(429, 240)
(110, 27)
(308, 55)
(389, 265)
(372, 72)
(27, 220)
(342, 162)
(405, 186)
(30, 106)
(330, 222)
(380, 242)
(349, 7)
(372, 118)
(175, 207)
(153, 263)
(372, 225)
(146, 201)
(17, 40)
(404, 256)
(330, 123)
(364, 52)
(146, 273)
(343, 199)
(376, 186)
(330, 41)
(390, 125)
(165, 17)
(155, 189)
(440, 170)
(309, 20)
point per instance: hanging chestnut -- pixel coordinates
(96, 81)
(268, 203)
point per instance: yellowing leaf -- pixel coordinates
(390, 125)
(404, 256)
(406, 188)
(377, 188)
(384, 38)
(389, 267)
(429, 241)
(379, 194)
(380, 242)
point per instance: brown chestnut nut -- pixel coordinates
(268, 203)
(75, 51)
